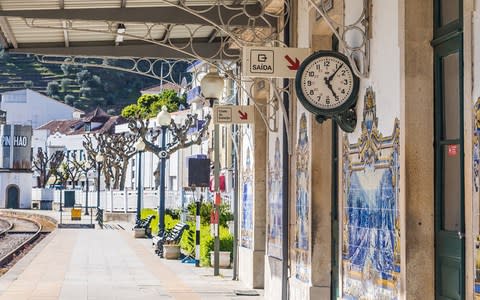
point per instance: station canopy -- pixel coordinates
(188, 29)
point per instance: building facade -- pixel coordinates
(390, 210)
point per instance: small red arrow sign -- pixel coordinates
(243, 115)
(294, 65)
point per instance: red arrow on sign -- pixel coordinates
(243, 115)
(294, 65)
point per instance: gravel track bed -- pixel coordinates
(22, 225)
(11, 241)
(3, 225)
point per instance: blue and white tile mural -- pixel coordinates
(246, 232)
(371, 229)
(476, 184)
(275, 196)
(302, 203)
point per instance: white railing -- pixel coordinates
(114, 201)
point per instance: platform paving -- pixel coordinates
(104, 264)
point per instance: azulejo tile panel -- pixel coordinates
(302, 203)
(275, 207)
(476, 186)
(246, 224)
(371, 229)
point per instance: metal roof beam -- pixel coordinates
(3, 41)
(65, 34)
(205, 49)
(163, 15)
(8, 31)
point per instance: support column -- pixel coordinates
(417, 113)
(252, 202)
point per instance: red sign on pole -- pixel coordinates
(452, 150)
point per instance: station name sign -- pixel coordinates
(17, 140)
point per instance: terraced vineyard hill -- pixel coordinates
(83, 88)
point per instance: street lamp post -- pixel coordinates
(87, 167)
(212, 89)
(140, 147)
(99, 158)
(163, 120)
(179, 140)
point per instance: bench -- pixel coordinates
(145, 224)
(172, 236)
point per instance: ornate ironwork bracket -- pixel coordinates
(264, 25)
(358, 54)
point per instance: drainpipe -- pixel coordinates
(286, 190)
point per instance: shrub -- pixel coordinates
(206, 209)
(169, 221)
(207, 243)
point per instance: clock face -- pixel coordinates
(327, 81)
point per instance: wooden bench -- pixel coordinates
(172, 236)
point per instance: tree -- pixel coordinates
(53, 89)
(149, 105)
(117, 149)
(69, 99)
(46, 165)
(72, 169)
(28, 84)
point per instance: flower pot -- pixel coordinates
(224, 259)
(138, 233)
(171, 251)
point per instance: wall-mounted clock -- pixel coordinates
(327, 87)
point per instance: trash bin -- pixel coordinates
(69, 199)
(46, 205)
(76, 214)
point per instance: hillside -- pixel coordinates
(83, 88)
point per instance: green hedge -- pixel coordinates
(187, 243)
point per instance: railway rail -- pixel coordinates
(16, 233)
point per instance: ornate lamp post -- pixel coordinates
(163, 120)
(180, 138)
(140, 147)
(212, 89)
(99, 159)
(86, 167)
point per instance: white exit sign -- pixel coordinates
(272, 62)
(233, 114)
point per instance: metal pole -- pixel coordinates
(98, 184)
(161, 204)
(197, 232)
(235, 209)
(139, 185)
(86, 192)
(216, 172)
(61, 210)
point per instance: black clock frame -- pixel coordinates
(344, 114)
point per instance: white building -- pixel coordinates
(27, 107)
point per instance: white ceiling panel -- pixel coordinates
(28, 4)
(27, 34)
(90, 31)
(76, 4)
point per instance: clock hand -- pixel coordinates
(330, 87)
(334, 73)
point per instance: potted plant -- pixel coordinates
(226, 248)
(171, 250)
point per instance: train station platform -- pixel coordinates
(103, 264)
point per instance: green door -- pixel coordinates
(12, 197)
(449, 189)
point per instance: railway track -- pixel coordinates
(16, 233)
